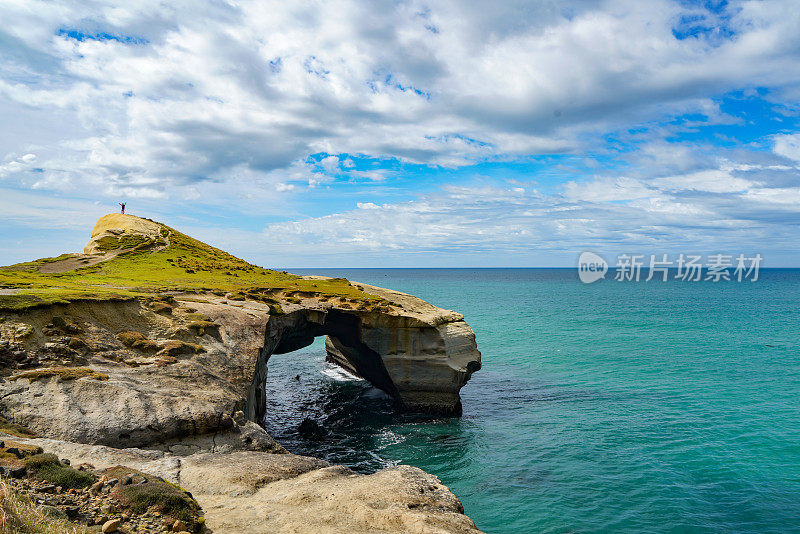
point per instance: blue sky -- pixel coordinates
(405, 133)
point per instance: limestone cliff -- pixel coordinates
(151, 339)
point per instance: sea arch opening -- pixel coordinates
(297, 330)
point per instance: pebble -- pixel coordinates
(52, 511)
(111, 526)
(96, 487)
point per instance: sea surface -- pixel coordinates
(610, 407)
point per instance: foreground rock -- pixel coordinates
(258, 492)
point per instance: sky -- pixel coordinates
(405, 133)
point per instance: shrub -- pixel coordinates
(175, 348)
(48, 467)
(128, 337)
(161, 307)
(136, 340)
(168, 499)
(19, 514)
(204, 327)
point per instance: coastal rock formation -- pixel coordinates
(422, 355)
(116, 231)
(154, 340)
(173, 382)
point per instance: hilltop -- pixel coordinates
(128, 257)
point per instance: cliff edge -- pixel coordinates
(153, 341)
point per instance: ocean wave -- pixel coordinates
(334, 372)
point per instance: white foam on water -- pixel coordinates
(335, 372)
(383, 461)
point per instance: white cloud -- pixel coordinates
(712, 181)
(701, 210)
(607, 189)
(787, 146)
(15, 165)
(182, 93)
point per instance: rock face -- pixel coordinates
(113, 226)
(194, 383)
(249, 492)
(422, 357)
(147, 398)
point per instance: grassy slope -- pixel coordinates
(186, 264)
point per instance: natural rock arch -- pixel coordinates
(421, 364)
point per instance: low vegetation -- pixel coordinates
(49, 468)
(14, 429)
(142, 269)
(63, 373)
(146, 492)
(19, 515)
(137, 340)
(176, 347)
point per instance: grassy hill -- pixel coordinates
(132, 257)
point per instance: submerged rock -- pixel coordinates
(311, 429)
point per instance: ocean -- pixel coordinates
(608, 407)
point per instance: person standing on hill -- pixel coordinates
(122, 205)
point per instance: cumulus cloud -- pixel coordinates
(13, 164)
(254, 104)
(173, 94)
(788, 146)
(703, 211)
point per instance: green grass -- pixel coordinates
(16, 430)
(147, 491)
(185, 265)
(48, 467)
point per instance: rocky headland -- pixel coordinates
(143, 361)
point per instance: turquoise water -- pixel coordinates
(610, 407)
